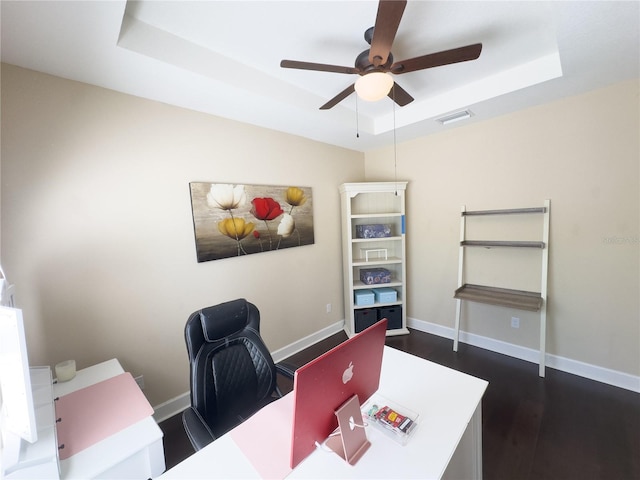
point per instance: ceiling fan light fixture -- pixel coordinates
(374, 86)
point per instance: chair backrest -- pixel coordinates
(232, 372)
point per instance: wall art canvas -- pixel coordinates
(233, 220)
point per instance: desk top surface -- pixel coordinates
(90, 462)
(444, 398)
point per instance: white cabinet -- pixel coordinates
(135, 451)
(379, 254)
(40, 458)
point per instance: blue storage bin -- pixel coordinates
(393, 316)
(385, 295)
(365, 318)
(364, 297)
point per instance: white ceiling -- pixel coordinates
(222, 57)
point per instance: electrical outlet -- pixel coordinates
(140, 381)
(515, 322)
(328, 308)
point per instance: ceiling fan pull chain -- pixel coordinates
(395, 150)
(357, 120)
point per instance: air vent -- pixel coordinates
(455, 117)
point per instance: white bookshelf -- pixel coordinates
(378, 203)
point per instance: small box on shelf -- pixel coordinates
(373, 276)
(375, 230)
(364, 297)
(385, 295)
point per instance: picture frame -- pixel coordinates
(234, 220)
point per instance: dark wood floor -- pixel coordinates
(558, 427)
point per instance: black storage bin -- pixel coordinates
(393, 315)
(364, 318)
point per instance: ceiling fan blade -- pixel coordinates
(446, 57)
(387, 22)
(338, 98)
(321, 67)
(399, 95)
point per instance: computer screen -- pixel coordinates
(323, 385)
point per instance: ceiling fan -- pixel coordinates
(378, 58)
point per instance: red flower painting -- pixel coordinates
(266, 208)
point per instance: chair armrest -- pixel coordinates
(285, 369)
(197, 430)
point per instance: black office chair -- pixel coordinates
(232, 372)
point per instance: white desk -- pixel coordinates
(447, 442)
(135, 452)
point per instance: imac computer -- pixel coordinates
(327, 383)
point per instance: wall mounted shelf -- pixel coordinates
(505, 297)
(501, 243)
(506, 211)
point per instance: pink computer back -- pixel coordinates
(319, 389)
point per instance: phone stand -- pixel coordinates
(351, 441)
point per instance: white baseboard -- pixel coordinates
(171, 407)
(298, 346)
(177, 404)
(575, 367)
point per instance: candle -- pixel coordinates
(66, 370)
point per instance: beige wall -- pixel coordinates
(583, 153)
(98, 234)
(98, 238)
